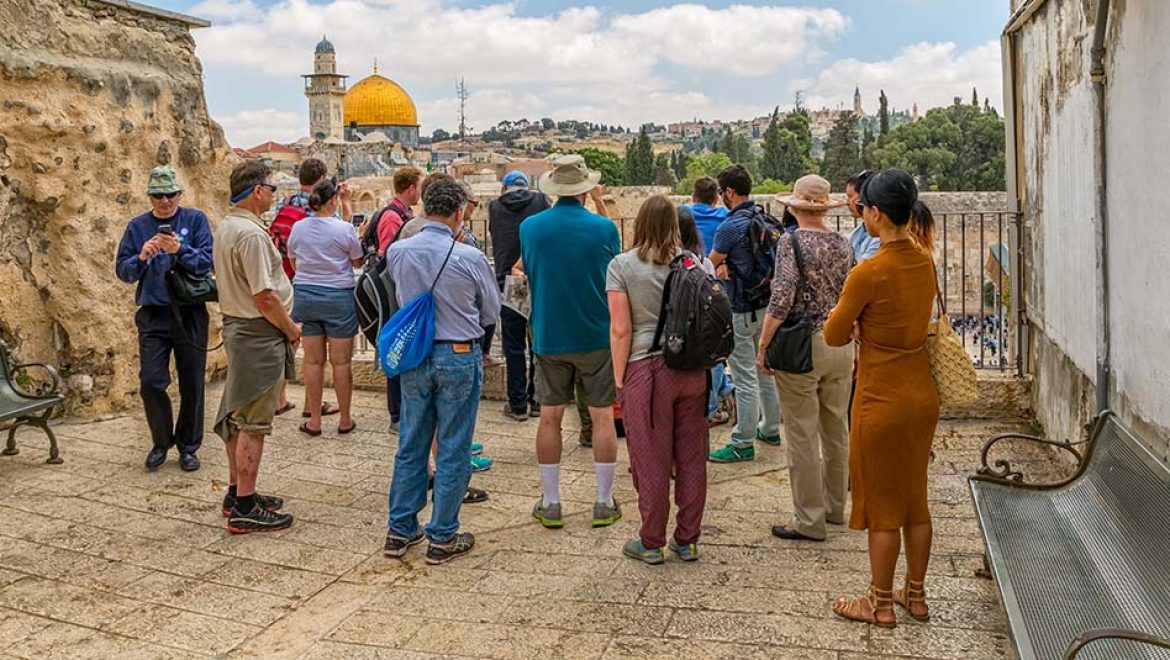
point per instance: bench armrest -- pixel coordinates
(1086, 638)
(56, 389)
(1001, 470)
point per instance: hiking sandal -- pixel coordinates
(864, 609)
(910, 595)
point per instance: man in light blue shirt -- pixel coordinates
(442, 393)
(708, 216)
(864, 245)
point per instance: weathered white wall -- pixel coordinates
(1058, 155)
(1139, 205)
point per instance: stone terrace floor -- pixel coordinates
(99, 558)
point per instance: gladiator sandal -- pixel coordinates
(866, 608)
(912, 598)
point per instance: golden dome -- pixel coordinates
(378, 101)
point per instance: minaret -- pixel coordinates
(325, 89)
(914, 112)
(857, 102)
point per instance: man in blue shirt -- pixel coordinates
(440, 397)
(755, 395)
(864, 245)
(708, 216)
(168, 236)
(565, 252)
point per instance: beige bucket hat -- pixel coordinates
(811, 193)
(569, 177)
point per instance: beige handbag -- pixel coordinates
(954, 375)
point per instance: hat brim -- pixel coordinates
(546, 185)
(792, 201)
(166, 190)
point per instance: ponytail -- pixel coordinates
(322, 193)
(922, 226)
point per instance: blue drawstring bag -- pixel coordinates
(409, 336)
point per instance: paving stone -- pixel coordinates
(441, 604)
(16, 626)
(209, 598)
(631, 648)
(183, 629)
(329, 650)
(505, 642)
(67, 566)
(284, 581)
(62, 640)
(780, 630)
(287, 553)
(593, 617)
(64, 602)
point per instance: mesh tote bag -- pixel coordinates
(954, 375)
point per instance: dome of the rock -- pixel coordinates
(379, 101)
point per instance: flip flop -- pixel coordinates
(352, 426)
(326, 410)
(308, 431)
(474, 496)
(285, 408)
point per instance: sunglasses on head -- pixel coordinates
(170, 195)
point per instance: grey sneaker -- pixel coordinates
(458, 545)
(396, 546)
(605, 515)
(393, 428)
(549, 515)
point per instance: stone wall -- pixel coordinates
(93, 94)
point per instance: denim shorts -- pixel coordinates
(325, 311)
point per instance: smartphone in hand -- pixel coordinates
(165, 229)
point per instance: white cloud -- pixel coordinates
(929, 74)
(252, 127)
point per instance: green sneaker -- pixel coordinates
(549, 515)
(605, 515)
(773, 440)
(635, 550)
(688, 552)
(732, 454)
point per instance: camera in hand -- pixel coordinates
(358, 219)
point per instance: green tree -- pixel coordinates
(842, 151)
(799, 124)
(639, 167)
(663, 172)
(709, 164)
(772, 164)
(608, 163)
(883, 115)
(867, 146)
(959, 147)
(439, 135)
(771, 187)
(975, 96)
(680, 167)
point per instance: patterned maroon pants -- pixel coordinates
(664, 413)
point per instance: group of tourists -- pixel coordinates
(860, 417)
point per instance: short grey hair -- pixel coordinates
(443, 198)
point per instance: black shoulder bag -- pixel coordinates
(188, 289)
(791, 347)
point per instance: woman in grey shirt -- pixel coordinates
(663, 409)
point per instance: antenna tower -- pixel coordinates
(463, 94)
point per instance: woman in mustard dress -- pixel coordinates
(887, 303)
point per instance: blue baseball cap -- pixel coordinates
(515, 178)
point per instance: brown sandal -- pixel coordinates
(865, 608)
(911, 594)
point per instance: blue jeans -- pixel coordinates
(757, 404)
(721, 388)
(440, 394)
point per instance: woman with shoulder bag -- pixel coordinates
(889, 300)
(812, 263)
(663, 408)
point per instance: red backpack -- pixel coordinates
(281, 228)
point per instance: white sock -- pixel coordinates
(605, 482)
(550, 481)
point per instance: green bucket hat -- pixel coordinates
(163, 180)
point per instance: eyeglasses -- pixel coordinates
(269, 186)
(170, 195)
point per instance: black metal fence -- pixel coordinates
(976, 262)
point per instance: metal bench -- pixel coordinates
(1083, 565)
(27, 408)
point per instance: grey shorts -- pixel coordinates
(557, 374)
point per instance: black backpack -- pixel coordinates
(370, 238)
(372, 297)
(764, 231)
(694, 323)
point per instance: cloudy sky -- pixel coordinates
(609, 62)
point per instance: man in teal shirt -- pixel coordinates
(565, 252)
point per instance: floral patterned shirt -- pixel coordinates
(828, 257)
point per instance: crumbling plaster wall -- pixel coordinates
(92, 95)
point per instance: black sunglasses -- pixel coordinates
(170, 195)
(269, 186)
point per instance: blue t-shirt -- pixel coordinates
(731, 239)
(707, 220)
(194, 233)
(566, 250)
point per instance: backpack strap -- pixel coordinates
(444, 266)
(661, 327)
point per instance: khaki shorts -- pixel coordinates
(255, 417)
(556, 375)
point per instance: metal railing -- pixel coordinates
(976, 264)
